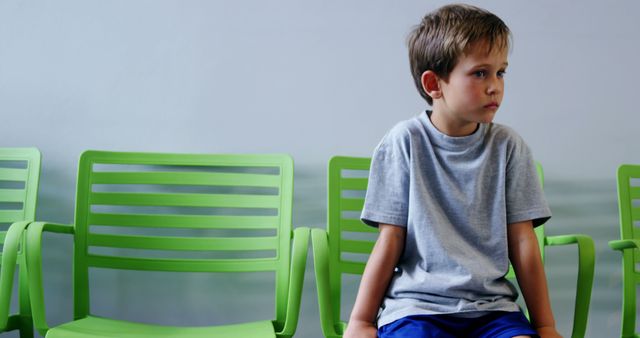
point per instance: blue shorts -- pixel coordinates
(500, 324)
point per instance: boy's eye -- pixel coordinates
(480, 73)
(501, 73)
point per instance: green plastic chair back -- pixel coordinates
(19, 176)
(333, 249)
(629, 211)
(118, 191)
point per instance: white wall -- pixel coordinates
(309, 78)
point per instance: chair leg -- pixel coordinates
(628, 296)
(26, 327)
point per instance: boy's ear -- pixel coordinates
(430, 84)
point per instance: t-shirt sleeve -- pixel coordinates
(387, 197)
(524, 196)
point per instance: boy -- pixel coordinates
(455, 198)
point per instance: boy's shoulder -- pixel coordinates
(504, 134)
(404, 129)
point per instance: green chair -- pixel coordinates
(628, 245)
(19, 175)
(336, 250)
(244, 194)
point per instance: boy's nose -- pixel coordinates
(495, 87)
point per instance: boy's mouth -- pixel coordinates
(492, 105)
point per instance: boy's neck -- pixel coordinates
(450, 127)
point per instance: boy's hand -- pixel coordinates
(360, 329)
(548, 332)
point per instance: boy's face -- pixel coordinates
(473, 91)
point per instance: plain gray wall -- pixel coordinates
(309, 78)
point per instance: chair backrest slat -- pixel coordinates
(185, 221)
(184, 265)
(352, 268)
(12, 195)
(183, 244)
(187, 178)
(634, 193)
(354, 183)
(14, 174)
(351, 204)
(10, 216)
(351, 246)
(185, 200)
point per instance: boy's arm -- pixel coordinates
(525, 257)
(375, 280)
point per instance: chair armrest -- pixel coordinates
(299, 250)
(33, 251)
(623, 244)
(320, 246)
(584, 284)
(12, 241)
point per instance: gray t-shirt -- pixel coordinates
(456, 197)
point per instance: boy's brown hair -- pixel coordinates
(445, 34)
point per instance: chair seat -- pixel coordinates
(103, 327)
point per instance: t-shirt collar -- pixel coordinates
(450, 142)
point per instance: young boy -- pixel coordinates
(455, 198)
